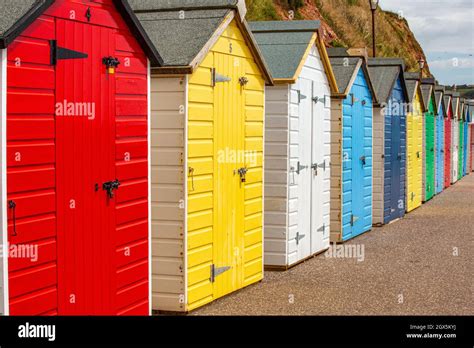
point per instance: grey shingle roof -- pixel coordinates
(179, 41)
(145, 5)
(425, 93)
(181, 36)
(344, 68)
(384, 72)
(283, 44)
(17, 13)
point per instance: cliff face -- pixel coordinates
(348, 23)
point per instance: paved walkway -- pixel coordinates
(409, 269)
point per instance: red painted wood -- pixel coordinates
(54, 162)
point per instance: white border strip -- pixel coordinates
(186, 116)
(150, 259)
(3, 173)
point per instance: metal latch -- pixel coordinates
(354, 219)
(110, 187)
(412, 196)
(322, 228)
(315, 167)
(299, 168)
(299, 237)
(111, 63)
(301, 96)
(363, 159)
(217, 78)
(242, 172)
(215, 271)
(320, 99)
(243, 81)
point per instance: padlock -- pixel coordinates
(111, 70)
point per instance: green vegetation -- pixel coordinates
(260, 10)
(349, 22)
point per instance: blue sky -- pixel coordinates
(445, 30)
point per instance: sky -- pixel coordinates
(445, 30)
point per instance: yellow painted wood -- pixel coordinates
(415, 154)
(225, 133)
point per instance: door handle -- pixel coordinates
(110, 187)
(363, 159)
(399, 157)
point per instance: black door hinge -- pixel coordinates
(58, 53)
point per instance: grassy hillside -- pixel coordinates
(347, 23)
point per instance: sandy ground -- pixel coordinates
(420, 265)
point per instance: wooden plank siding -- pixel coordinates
(276, 174)
(168, 192)
(379, 163)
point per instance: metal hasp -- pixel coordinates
(242, 172)
(316, 166)
(88, 14)
(61, 53)
(215, 271)
(322, 228)
(354, 219)
(320, 99)
(300, 167)
(218, 78)
(111, 62)
(363, 159)
(299, 237)
(243, 81)
(110, 187)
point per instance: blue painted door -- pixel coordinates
(440, 151)
(357, 160)
(395, 155)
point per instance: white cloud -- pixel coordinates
(443, 28)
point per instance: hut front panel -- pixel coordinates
(395, 156)
(3, 181)
(461, 149)
(277, 177)
(414, 154)
(357, 160)
(447, 146)
(320, 228)
(429, 148)
(455, 149)
(379, 164)
(465, 148)
(92, 250)
(440, 150)
(336, 170)
(225, 133)
(168, 117)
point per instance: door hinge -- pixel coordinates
(218, 78)
(60, 53)
(301, 97)
(354, 219)
(299, 237)
(215, 271)
(300, 167)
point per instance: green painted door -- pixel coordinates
(461, 149)
(429, 150)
